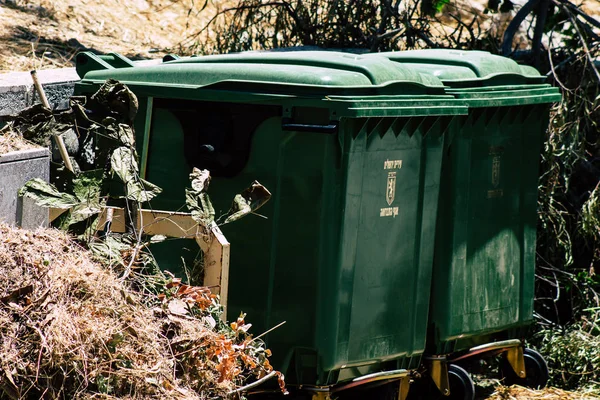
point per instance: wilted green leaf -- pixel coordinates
(115, 97)
(46, 194)
(83, 211)
(247, 202)
(36, 124)
(109, 250)
(200, 206)
(124, 164)
(197, 200)
(87, 186)
(121, 133)
(83, 204)
(200, 180)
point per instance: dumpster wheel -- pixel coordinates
(536, 370)
(461, 384)
(457, 386)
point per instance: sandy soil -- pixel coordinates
(47, 33)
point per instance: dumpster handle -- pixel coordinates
(500, 346)
(331, 128)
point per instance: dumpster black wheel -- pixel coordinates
(536, 370)
(461, 384)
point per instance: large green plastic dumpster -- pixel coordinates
(351, 148)
(483, 277)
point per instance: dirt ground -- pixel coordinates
(48, 33)
(521, 393)
(491, 389)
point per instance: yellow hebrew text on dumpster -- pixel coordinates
(494, 194)
(392, 164)
(389, 212)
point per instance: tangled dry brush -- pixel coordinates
(72, 329)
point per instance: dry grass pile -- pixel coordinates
(70, 328)
(36, 34)
(11, 141)
(520, 393)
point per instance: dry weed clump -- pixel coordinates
(11, 141)
(36, 34)
(516, 392)
(70, 328)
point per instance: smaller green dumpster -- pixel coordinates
(351, 149)
(483, 285)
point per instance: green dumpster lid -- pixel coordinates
(353, 84)
(365, 70)
(467, 68)
(478, 76)
(322, 71)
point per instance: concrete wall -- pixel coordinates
(16, 168)
(17, 91)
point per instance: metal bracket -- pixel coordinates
(515, 358)
(404, 388)
(512, 347)
(439, 374)
(499, 347)
(401, 375)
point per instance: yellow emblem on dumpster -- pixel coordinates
(390, 189)
(390, 193)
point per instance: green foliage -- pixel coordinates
(431, 7)
(439, 4)
(363, 25)
(573, 355)
(47, 195)
(569, 224)
(247, 202)
(203, 212)
(106, 150)
(123, 162)
(197, 199)
(590, 217)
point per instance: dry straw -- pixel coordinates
(12, 141)
(520, 393)
(70, 328)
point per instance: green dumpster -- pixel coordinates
(351, 148)
(483, 285)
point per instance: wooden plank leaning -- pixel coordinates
(211, 240)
